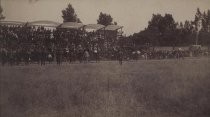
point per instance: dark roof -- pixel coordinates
(113, 27)
(44, 23)
(94, 26)
(11, 23)
(71, 25)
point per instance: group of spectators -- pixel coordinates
(25, 45)
(166, 54)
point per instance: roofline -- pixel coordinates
(31, 23)
(42, 26)
(60, 26)
(70, 28)
(120, 27)
(98, 29)
(15, 22)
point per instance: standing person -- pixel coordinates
(12, 57)
(146, 55)
(86, 56)
(3, 56)
(50, 57)
(120, 57)
(39, 56)
(180, 53)
(95, 53)
(138, 53)
(80, 53)
(58, 56)
(133, 55)
(68, 55)
(43, 56)
(18, 57)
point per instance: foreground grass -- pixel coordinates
(167, 88)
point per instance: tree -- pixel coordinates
(208, 17)
(105, 19)
(69, 15)
(156, 23)
(198, 20)
(164, 26)
(185, 35)
(208, 20)
(198, 15)
(1, 15)
(204, 34)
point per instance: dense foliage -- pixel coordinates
(105, 19)
(1, 15)
(165, 31)
(69, 15)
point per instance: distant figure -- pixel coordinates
(95, 54)
(134, 55)
(67, 54)
(27, 57)
(3, 56)
(50, 58)
(120, 57)
(137, 54)
(43, 57)
(11, 57)
(80, 53)
(86, 56)
(58, 56)
(145, 56)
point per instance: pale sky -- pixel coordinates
(132, 14)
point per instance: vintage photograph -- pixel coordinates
(104, 58)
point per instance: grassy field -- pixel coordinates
(156, 88)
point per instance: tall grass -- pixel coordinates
(143, 88)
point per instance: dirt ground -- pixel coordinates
(154, 88)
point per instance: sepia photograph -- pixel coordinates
(104, 58)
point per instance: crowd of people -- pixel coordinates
(166, 54)
(26, 45)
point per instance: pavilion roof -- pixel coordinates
(71, 25)
(44, 23)
(12, 23)
(113, 27)
(94, 27)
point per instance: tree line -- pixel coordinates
(165, 31)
